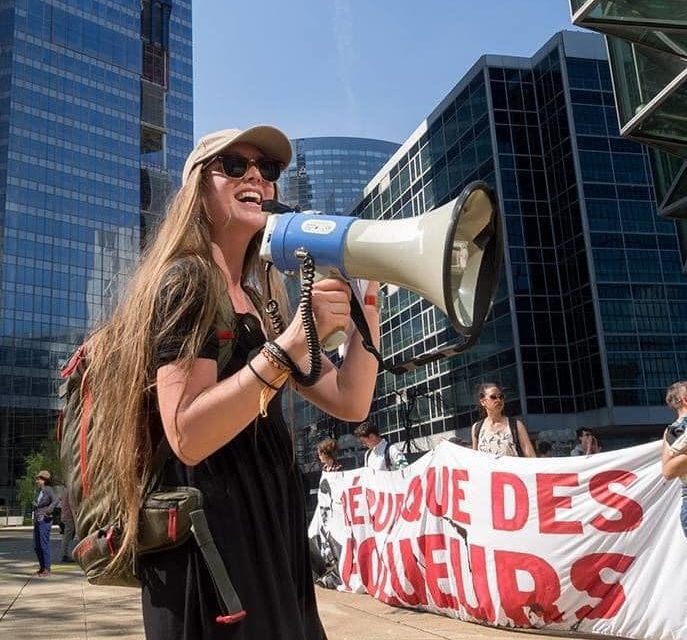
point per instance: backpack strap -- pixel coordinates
(478, 428)
(387, 455)
(513, 424)
(163, 452)
(226, 331)
(226, 592)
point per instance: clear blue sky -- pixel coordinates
(368, 68)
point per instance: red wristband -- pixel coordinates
(371, 300)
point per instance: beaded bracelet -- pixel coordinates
(278, 357)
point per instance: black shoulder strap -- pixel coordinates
(513, 424)
(387, 456)
(163, 452)
(478, 428)
(225, 327)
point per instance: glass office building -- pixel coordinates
(328, 174)
(95, 120)
(588, 327)
(647, 45)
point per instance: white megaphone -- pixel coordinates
(451, 256)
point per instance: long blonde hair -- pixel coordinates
(121, 369)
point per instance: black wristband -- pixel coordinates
(281, 355)
(259, 377)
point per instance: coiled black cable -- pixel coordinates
(311, 337)
(305, 305)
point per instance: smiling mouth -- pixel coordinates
(250, 196)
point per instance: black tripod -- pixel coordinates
(409, 404)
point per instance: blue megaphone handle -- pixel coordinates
(322, 236)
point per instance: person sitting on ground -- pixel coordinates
(380, 455)
(587, 443)
(674, 456)
(496, 433)
(326, 452)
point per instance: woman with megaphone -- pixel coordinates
(191, 355)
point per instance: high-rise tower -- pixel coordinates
(95, 120)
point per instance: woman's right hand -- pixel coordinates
(331, 306)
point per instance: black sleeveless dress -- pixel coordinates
(254, 503)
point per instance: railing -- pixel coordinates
(12, 516)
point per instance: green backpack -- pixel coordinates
(168, 516)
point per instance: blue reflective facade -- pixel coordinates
(96, 98)
(588, 326)
(328, 174)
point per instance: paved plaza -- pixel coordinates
(65, 607)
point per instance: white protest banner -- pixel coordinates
(590, 544)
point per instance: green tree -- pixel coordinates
(47, 457)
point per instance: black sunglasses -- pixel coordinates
(235, 166)
(495, 396)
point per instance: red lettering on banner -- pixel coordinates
(389, 599)
(630, 511)
(458, 476)
(438, 507)
(354, 494)
(547, 502)
(370, 498)
(539, 601)
(484, 609)
(585, 575)
(411, 571)
(367, 559)
(381, 519)
(411, 512)
(500, 480)
(435, 571)
(399, 498)
(348, 566)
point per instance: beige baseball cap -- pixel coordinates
(270, 140)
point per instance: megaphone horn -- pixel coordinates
(451, 255)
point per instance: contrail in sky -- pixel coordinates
(343, 30)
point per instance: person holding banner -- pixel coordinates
(326, 452)
(674, 457)
(496, 433)
(380, 455)
(586, 443)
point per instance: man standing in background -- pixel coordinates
(586, 443)
(380, 455)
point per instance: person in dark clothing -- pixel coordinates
(43, 506)
(158, 369)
